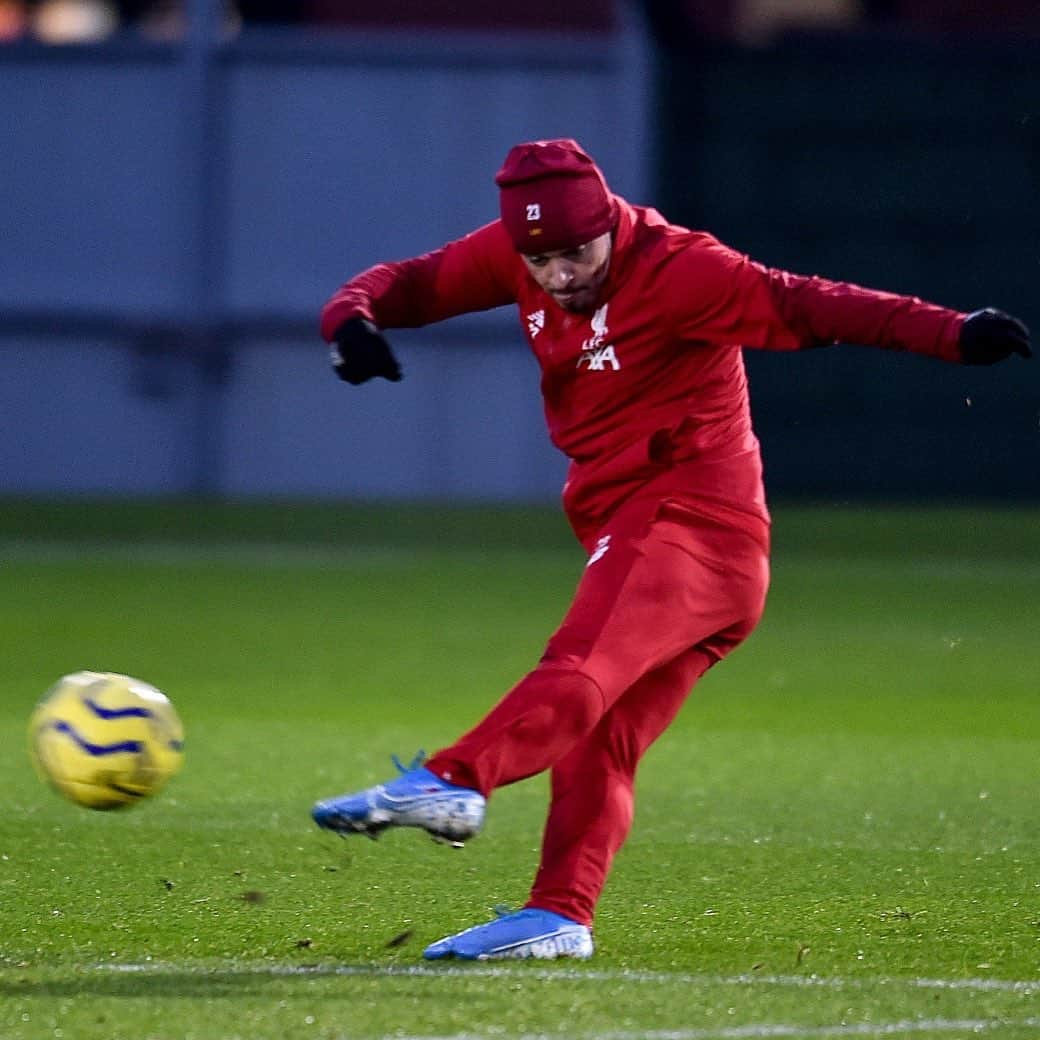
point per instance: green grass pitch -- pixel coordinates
(838, 837)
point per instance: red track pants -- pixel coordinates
(665, 594)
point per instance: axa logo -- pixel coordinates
(595, 354)
(535, 322)
(599, 358)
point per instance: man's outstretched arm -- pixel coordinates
(728, 298)
(472, 274)
(824, 312)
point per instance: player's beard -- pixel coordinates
(584, 299)
(579, 301)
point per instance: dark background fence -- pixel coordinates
(174, 214)
(897, 161)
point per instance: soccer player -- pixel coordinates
(638, 326)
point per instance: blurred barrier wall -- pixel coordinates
(172, 219)
(172, 224)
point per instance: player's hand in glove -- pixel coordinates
(988, 336)
(360, 352)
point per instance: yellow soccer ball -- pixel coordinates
(104, 740)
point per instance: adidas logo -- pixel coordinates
(601, 548)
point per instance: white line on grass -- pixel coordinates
(1025, 987)
(279, 555)
(766, 1031)
(166, 554)
(763, 1031)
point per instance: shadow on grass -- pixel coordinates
(172, 983)
(153, 985)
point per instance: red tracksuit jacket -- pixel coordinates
(651, 387)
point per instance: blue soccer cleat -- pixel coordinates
(540, 934)
(417, 798)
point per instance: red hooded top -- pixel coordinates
(649, 392)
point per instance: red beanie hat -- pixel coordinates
(553, 196)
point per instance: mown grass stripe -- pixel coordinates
(288, 554)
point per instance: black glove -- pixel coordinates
(360, 352)
(989, 336)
